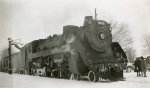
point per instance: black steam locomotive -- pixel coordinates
(80, 51)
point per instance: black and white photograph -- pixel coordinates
(74, 43)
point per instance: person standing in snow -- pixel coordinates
(137, 65)
(143, 66)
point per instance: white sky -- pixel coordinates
(34, 19)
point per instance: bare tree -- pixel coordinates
(146, 44)
(130, 52)
(4, 53)
(121, 34)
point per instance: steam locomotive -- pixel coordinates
(80, 51)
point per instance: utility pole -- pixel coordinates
(11, 42)
(9, 55)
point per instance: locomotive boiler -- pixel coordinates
(87, 50)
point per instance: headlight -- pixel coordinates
(101, 23)
(101, 35)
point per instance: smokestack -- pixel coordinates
(95, 14)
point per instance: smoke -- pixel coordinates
(67, 47)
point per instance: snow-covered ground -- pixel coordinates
(26, 81)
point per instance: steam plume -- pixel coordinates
(66, 47)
